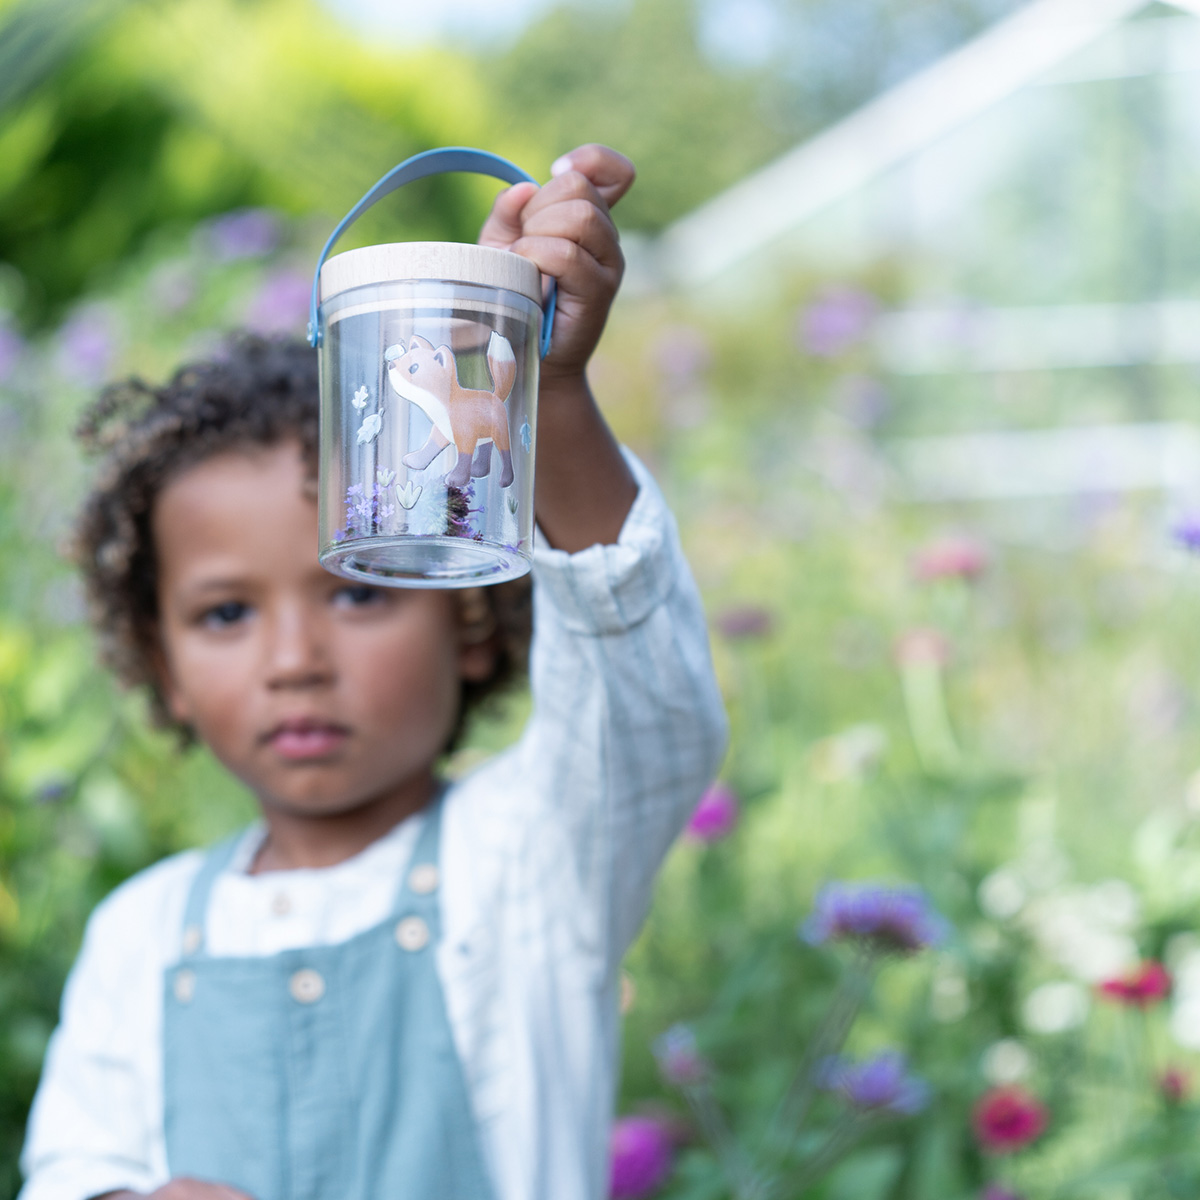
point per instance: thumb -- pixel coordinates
(503, 226)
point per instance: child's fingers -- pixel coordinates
(577, 221)
(612, 174)
(565, 259)
(503, 225)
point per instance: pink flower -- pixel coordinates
(641, 1157)
(1008, 1119)
(715, 815)
(955, 557)
(1173, 1085)
(1146, 984)
(922, 647)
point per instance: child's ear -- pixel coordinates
(476, 636)
(174, 700)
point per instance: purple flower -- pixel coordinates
(11, 349)
(679, 1062)
(87, 345)
(884, 919)
(715, 815)
(281, 304)
(744, 621)
(1186, 530)
(837, 319)
(994, 1191)
(641, 1157)
(876, 1083)
(243, 233)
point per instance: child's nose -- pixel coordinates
(297, 651)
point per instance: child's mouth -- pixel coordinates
(298, 740)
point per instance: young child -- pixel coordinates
(389, 988)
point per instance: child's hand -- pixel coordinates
(565, 228)
(182, 1189)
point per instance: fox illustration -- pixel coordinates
(472, 419)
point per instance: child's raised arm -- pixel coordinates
(584, 488)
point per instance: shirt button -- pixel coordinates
(192, 937)
(306, 986)
(281, 904)
(185, 986)
(423, 879)
(412, 933)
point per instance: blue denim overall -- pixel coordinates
(325, 1073)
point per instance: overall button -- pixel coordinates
(185, 986)
(192, 937)
(281, 904)
(423, 879)
(412, 933)
(306, 986)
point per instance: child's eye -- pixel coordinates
(221, 616)
(358, 595)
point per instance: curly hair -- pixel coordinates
(255, 392)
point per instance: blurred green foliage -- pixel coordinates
(1073, 730)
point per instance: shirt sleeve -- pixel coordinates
(627, 727)
(92, 1126)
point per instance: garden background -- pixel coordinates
(930, 438)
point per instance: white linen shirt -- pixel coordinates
(548, 857)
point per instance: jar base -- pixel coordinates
(424, 562)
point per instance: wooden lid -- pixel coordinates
(456, 262)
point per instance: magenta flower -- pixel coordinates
(641, 1156)
(1008, 1119)
(1146, 984)
(715, 816)
(876, 1084)
(1174, 1085)
(956, 557)
(679, 1061)
(837, 319)
(886, 920)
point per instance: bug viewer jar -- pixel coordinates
(429, 357)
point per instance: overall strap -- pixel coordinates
(215, 861)
(418, 887)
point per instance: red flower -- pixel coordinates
(1173, 1085)
(1146, 984)
(957, 557)
(1008, 1119)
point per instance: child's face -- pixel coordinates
(320, 694)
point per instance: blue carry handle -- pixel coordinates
(429, 162)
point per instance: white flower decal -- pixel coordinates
(409, 494)
(368, 431)
(384, 477)
(360, 398)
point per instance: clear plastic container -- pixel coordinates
(429, 356)
(428, 415)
